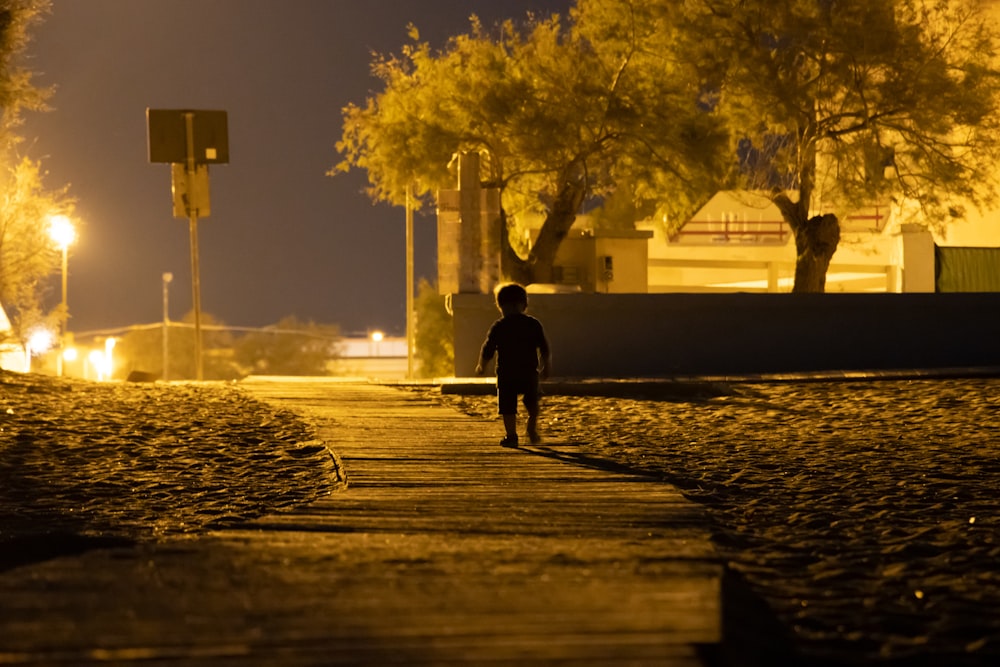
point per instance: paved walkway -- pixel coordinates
(443, 548)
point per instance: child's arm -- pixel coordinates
(486, 353)
(545, 355)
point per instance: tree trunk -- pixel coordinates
(512, 267)
(816, 238)
(538, 267)
(815, 243)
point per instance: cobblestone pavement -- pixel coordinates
(137, 461)
(864, 512)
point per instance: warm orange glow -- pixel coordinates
(62, 231)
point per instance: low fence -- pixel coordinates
(958, 269)
(774, 276)
(663, 335)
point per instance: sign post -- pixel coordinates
(190, 140)
(410, 328)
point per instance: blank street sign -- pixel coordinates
(168, 136)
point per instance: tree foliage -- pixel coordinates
(834, 104)
(649, 105)
(290, 347)
(18, 91)
(434, 339)
(142, 350)
(27, 253)
(564, 113)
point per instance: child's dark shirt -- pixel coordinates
(517, 339)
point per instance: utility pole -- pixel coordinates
(190, 141)
(192, 211)
(409, 283)
(167, 277)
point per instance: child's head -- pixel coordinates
(512, 298)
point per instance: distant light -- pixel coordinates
(62, 231)
(70, 354)
(376, 338)
(96, 358)
(109, 346)
(40, 340)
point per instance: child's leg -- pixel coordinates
(531, 403)
(533, 428)
(507, 407)
(510, 426)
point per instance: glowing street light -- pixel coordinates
(377, 337)
(96, 359)
(64, 234)
(109, 346)
(103, 362)
(39, 342)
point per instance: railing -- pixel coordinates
(771, 280)
(756, 232)
(733, 231)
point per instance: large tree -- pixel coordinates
(27, 254)
(834, 104)
(141, 349)
(565, 115)
(18, 91)
(290, 347)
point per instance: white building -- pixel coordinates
(12, 355)
(738, 242)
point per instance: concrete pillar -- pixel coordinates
(470, 243)
(918, 258)
(469, 229)
(491, 230)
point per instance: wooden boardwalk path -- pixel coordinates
(442, 549)
(462, 551)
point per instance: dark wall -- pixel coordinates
(660, 335)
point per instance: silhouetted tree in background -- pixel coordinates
(833, 105)
(27, 253)
(434, 339)
(563, 113)
(822, 105)
(142, 350)
(290, 347)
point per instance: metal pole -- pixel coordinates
(65, 309)
(167, 277)
(193, 213)
(196, 297)
(409, 282)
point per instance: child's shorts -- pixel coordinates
(508, 390)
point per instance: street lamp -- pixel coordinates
(167, 277)
(39, 342)
(62, 232)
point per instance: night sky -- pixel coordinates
(283, 238)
